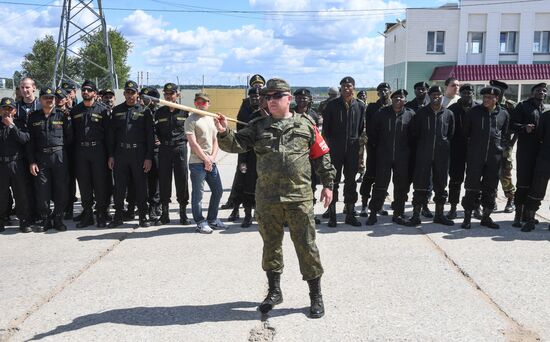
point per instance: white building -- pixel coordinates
(474, 41)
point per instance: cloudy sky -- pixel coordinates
(307, 42)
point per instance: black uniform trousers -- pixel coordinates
(346, 162)
(14, 174)
(129, 174)
(52, 182)
(173, 159)
(369, 176)
(457, 167)
(481, 182)
(539, 184)
(526, 158)
(431, 173)
(92, 176)
(71, 167)
(153, 183)
(400, 181)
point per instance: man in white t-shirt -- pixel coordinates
(452, 86)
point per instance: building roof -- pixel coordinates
(507, 72)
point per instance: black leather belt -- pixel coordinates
(7, 159)
(130, 146)
(173, 143)
(89, 143)
(51, 149)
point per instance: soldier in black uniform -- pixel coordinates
(343, 124)
(13, 168)
(108, 98)
(90, 120)
(130, 148)
(391, 137)
(50, 130)
(170, 130)
(433, 128)
(541, 173)
(486, 128)
(70, 88)
(384, 91)
(457, 165)
(420, 91)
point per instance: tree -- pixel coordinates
(94, 50)
(40, 62)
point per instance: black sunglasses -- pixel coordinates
(87, 90)
(275, 96)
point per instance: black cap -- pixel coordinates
(421, 84)
(257, 79)
(254, 91)
(131, 85)
(399, 92)
(383, 85)
(7, 102)
(60, 93)
(490, 91)
(170, 87)
(466, 87)
(540, 85)
(150, 91)
(302, 91)
(435, 89)
(47, 91)
(347, 79)
(68, 85)
(499, 84)
(89, 84)
(362, 92)
(106, 91)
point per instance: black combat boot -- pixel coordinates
(77, 218)
(326, 213)
(143, 221)
(371, 221)
(440, 217)
(517, 216)
(101, 218)
(383, 212)
(332, 215)
(317, 308)
(398, 214)
(165, 216)
(43, 224)
(117, 220)
(487, 221)
(247, 221)
(24, 226)
(58, 223)
(153, 217)
(364, 211)
(477, 213)
(234, 216)
(345, 211)
(350, 216)
(530, 224)
(509, 208)
(227, 205)
(415, 218)
(130, 213)
(274, 293)
(426, 212)
(524, 217)
(69, 212)
(451, 215)
(2, 225)
(467, 223)
(86, 220)
(183, 215)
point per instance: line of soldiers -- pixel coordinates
(441, 136)
(124, 152)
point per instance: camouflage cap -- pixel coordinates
(203, 96)
(275, 85)
(7, 102)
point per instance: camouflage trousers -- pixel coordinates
(362, 144)
(506, 173)
(299, 217)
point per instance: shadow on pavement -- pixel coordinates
(176, 315)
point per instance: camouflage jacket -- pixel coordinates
(282, 149)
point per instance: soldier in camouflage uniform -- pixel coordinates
(284, 143)
(332, 94)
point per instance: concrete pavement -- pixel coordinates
(381, 283)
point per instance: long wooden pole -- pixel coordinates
(189, 109)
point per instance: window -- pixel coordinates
(508, 42)
(475, 42)
(541, 42)
(436, 42)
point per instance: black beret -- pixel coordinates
(421, 84)
(435, 89)
(540, 85)
(499, 84)
(302, 91)
(61, 93)
(89, 84)
(131, 85)
(347, 79)
(254, 91)
(383, 85)
(170, 87)
(399, 92)
(490, 91)
(47, 91)
(7, 102)
(150, 91)
(257, 79)
(466, 87)
(362, 92)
